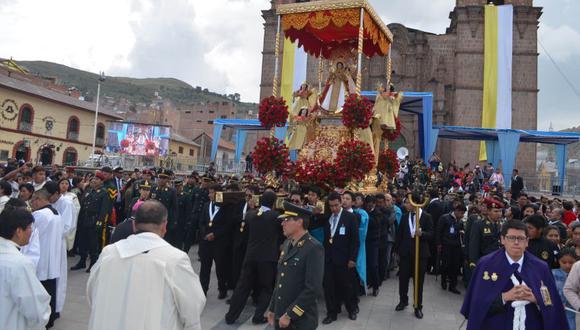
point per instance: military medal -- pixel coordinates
(330, 241)
(486, 276)
(212, 213)
(545, 294)
(242, 226)
(494, 277)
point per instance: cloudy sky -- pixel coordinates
(217, 44)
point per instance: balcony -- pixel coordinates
(73, 136)
(25, 126)
(100, 142)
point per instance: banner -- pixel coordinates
(497, 70)
(294, 68)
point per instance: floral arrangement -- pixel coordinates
(273, 112)
(150, 145)
(388, 163)
(355, 158)
(357, 112)
(124, 143)
(271, 154)
(392, 134)
(318, 172)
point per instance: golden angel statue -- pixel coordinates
(301, 117)
(385, 112)
(339, 85)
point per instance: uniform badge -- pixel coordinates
(300, 244)
(545, 255)
(210, 224)
(545, 294)
(330, 241)
(486, 231)
(494, 277)
(486, 276)
(153, 195)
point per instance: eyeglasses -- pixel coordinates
(513, 239)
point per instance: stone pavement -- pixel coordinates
(441, 308)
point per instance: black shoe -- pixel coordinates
(229, 301)
(229, 319)
(443, 285)
(352, 316)
(259, 320)
(418, 313)
(375, 292)
(90, 266)
(356, 310)
(401, 306)
(80, 265)
(222, 295)
(329, 319)
(453, 289)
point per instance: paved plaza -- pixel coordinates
(441, 308)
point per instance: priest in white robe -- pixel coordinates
(24, 303)
(50, 236)
(67, 211)
(142, 282)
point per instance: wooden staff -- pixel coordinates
(417, 207)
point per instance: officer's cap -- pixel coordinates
(178, 182)
(165, 173)
(293, 211)
(145, 185)
(100, 175)
(493, 203)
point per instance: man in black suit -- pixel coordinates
(517, 184)
(262, 252)
(448, 238)
(436, 209)
(240, 235)
(405, 246)
(215, 230)
(341, 246)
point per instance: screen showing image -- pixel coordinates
(138, 139)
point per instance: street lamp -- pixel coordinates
(101, 79)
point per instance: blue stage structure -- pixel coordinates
(241, 128)
(502, 144)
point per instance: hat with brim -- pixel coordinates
(493, 203)
(145, 185)
(293, 211)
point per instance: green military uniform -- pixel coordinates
(183, 237)
(484, 239)
(168, 197)
(299, 283)
(92, 218)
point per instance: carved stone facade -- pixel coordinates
(450, 66)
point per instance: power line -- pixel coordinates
(574, 89)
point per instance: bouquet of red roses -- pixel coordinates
(273, 112)
(315, 172)
(392, 134)
(355, 158)
(388, 163)
(357, 112)
(124, 143)
(270, 154)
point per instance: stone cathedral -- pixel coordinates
(450, 66)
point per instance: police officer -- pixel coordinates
(448, 240)
(484, 236)
(94, 207)
(110, 187)
(184, 206)
(168, 197)
(300, 273)
(200, 198)
(538, 245)
(146, 176)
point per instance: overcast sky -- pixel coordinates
(217, 44)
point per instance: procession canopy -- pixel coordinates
(322, 27)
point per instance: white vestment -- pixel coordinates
(66, 209)
(24, 303)
(32, 249)
(50, 236)
(144, 283)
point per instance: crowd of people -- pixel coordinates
(284, 247)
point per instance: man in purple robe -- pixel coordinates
(512, 289)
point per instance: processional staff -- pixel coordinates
(417, 206)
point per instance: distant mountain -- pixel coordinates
(132, 89)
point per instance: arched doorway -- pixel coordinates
(46, 154)
(69, 156)
(21, 151)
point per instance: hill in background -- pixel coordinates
(134, 90)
